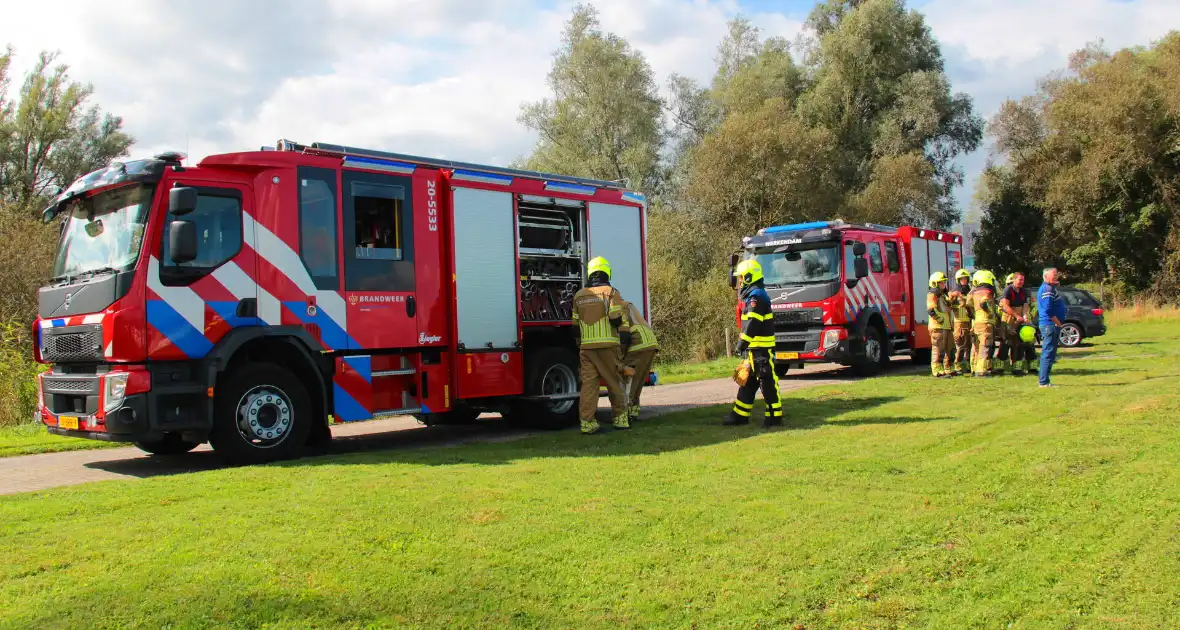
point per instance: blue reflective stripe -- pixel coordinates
(486, 178)
(346, 408)
(192, 342)
(380, 165)
(570, 188)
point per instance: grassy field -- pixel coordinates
(895, 502)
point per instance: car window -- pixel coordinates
(1073, 298)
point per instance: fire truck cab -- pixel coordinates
(245, 300)
(846, 293)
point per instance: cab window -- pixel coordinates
(876, 264)
(218, 219)
(891, 257)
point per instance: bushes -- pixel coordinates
(18, 375)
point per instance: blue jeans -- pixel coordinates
(1049, 341)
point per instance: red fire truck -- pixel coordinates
(849, 294)
(245, 300)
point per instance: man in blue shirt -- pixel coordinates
(1052, 312)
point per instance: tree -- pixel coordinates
(604, 120)
(1011, 227)
(50, 137)
(1096, 152)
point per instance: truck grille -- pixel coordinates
(799, 316)
(72, 343)
(69, 385)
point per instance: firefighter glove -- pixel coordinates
(625, 338)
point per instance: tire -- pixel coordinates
(548, 371)
(170, 444)
(876, 354)
(1070, 335)
(262, 413)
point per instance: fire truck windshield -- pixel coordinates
(813, 265)
(103, 232)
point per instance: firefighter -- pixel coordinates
(757, 338)
(981, 306)
(962, 328)
(601, 327)
(1014, 313)
(637, 358)
(942, 344)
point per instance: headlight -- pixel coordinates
(116, 388)
(831, 339)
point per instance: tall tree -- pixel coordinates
(1011, 227)
(605, 117)
(50, 136)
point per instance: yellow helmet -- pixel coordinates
(962, 273)
(937, 278)
(598, 264)
(748, 271)
(983, 276)
(1009, 279)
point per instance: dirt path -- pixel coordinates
(37, 472)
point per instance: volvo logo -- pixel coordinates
(66, 304)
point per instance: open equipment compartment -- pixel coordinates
(551, 240)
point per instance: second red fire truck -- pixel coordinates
(244, 300)
(849, 294)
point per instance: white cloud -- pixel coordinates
(446, 77)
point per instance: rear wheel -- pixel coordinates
(170, 444)
(549, 372)
(876, 356)
(1070, 335)
(262, 413)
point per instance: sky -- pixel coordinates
(446, 78)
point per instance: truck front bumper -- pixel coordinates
(124, 404)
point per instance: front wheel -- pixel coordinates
(262, 413)
(875, 358)
(1070, 335)
(170, 444)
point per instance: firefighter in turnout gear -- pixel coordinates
(637, 358)
(942, 344)
(982, 306)
(962, 330)
(601, 325)
(1014, 313)
(757, 338)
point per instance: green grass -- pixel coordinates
(894, 502)
(27, 439)
(670, 373)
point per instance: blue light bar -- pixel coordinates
(797, 227)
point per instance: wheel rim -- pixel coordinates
(559, 379)
(873, 350)
(264, 416)
(1070, 335)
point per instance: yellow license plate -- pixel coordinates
(68, 422)
(786, 356)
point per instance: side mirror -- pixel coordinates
(182, 201)
(861, 266)
(733, 260)
(182, 241)
(858, 250)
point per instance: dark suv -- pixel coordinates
(1083, 316)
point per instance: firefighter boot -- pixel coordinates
(589, 427)
(1027, 367)
(633, 413)
(621, 422)
(734, 419)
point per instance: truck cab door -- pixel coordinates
(192, 304)
(379, 248)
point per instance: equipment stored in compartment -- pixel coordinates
(552, 249)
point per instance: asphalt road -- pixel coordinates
(37, 472)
